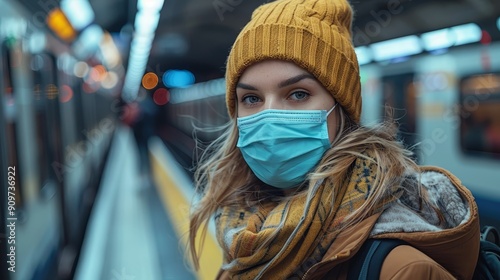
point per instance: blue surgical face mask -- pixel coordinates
(283, 146)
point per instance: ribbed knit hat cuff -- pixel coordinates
(335, 67)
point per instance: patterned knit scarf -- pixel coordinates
(283, 240)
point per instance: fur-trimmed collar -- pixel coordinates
(408, 215)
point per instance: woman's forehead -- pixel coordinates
(271, 69)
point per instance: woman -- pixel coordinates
(297, 185)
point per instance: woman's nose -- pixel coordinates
(272, 102)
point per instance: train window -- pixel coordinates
(70, 98)
(6, 75)
(399, 99)
(53, 114)
(79, 109)
(72, 84)
(48, 125)
(10, 120)
(39, 83)
(480, 114)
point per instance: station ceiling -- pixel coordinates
(197, 34)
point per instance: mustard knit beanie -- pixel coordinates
(314, 34)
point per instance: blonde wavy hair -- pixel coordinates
(224, 178)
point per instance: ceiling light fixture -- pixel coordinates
(396, 48)
(146, 22)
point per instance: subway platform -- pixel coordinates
(138, 228)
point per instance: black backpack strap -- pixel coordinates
(490, 233)
(367, 263)
(488, 263)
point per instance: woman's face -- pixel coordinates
(276, 84)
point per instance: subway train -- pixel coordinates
(58, 111)
(446, 104)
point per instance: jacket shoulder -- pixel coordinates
(452, 243)
(406, 262)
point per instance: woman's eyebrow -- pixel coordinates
(245, 86)
(295, 79)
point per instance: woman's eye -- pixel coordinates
(250, 99)
(299, 95)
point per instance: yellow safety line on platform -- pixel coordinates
(177, 206)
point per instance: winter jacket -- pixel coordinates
(435, 253)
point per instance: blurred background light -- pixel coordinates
(364, 55)
(37, 63)
(78, 12)
(110, 81)
(110, 53)
(81, 69)
(435, 81)
(97, 73)
(66, 94)
(66, 63)
(88, 42)
(466, 34)
(161, 96)
(150, 5)
(150, 80)
(51, 91)
(37, 42)
(396, 48)
(485, 37)
(12, 27)
(59, 23)
(178, 78)
(146, 22)
(438, 39)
